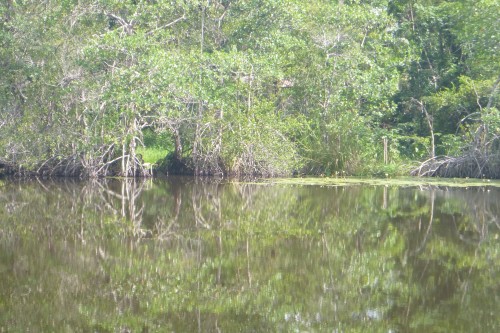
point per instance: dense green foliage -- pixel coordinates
(98, 87)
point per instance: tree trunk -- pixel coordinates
(428, 117)
(178, 145)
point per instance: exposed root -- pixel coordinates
(473, 165)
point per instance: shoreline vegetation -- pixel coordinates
(258, 88)
(438, 168)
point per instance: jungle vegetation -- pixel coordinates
(93, 88)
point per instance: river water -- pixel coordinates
(185, 255)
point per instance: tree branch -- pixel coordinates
(183, 17)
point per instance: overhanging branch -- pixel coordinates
(183, 17)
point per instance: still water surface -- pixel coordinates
(180, 255)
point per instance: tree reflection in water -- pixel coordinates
(202, 255)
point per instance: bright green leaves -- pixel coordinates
(477, 28)
(279, 84)
(451, 79)
(348, 67)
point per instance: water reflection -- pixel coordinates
(189, 255)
